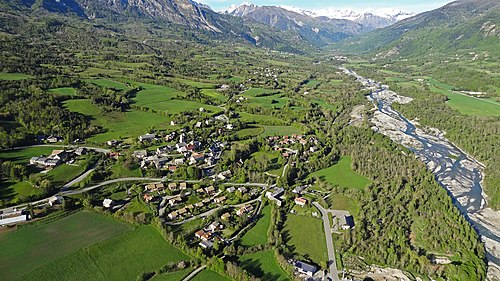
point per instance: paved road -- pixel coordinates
(334, 274)
(211, 211)
(98, 149)
(78, 179)
(192, 274)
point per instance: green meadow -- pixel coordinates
(341, 174)
(306, 236)
(263, 265)
(67, 91)
(257, 235)
(14, 76)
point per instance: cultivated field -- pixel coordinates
(117, 124)
(27, 249)
(122, 257)
(209, 275)
(307, 238)
(263, 265)
(257, 235)
(342, 175)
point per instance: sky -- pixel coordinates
(416, 6)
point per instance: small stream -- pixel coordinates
(457, 172)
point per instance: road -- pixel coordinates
(192, 274)
(98, 149)
(78, 179)
(334, 274)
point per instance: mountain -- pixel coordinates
(460, 25)
(318, 31)
(371, 18)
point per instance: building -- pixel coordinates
(147, 137)
(225, 216)
(242, 189)
(305, 268)
(183, 186)
(140, 154)
(244, 209)
(56, 199)
(172, 186)
(147, 198)
(201, 234)
(206, 244)
(299, 189)
(172, 215)
(81, 151)
(210, 190)
(220, 199)
(300, 201)
(107, 203)
(215, 226)
(11, 220)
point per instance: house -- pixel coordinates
(205, 201)
(53, 139)
(172, 168)
(201, 234)
(196, 157)
(206, 244)
(244, 209)
(174, 201)
(81, 151)
(56, 199)
(172, 215)
(114, 155)
(225, 216)
(215, 226)
(60, 155)
(150, 187)
(172, 186)
(190, 207)
(179, 161)
(183, 186)
(147, 137)
(199, 204)
(220, 199)
(107, 203)
(305, 268)
(11, 220)
(112, 142)
(210, 190)
(300, 201)
(299, 189)
(277, 192)
(200, 190)
(147, 198)
(231, 189)
(347, 222)
(182, 211)
(140, 154)
(224, 175)
(242, 189)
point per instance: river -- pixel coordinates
(460, 174)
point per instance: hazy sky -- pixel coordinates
(409, 5)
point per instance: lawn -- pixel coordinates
(256, 118)
(29, 248)
(14, 76)
(163, 100)
(342, 175)
(68, 91)
(263, 265)
(155, 93)
(342, 202)
(214, 94)
(312, 83)
(249, 132)
(122, 257)
(274, 101)
(469, 105)
(118, 125)
(22, 156)
(201, 85)
(253, 92)
(12, 191)
(307, 238)
(280, 131)
(257, 235)
(137, 206)
(211, 275)
(63, 174)
(172, 276)
(119, 171)
(106, 83)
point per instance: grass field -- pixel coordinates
(107, 83)
(463, 103)
(119, 171)
(117, 124)
(122, 257)
(263, 265)
(307, 238)
(312, 83)
(214, 94)
(201, 85)
(14, 76)
(257, 235)
(259, 119)
(274, 101)
(68, 91)
(211, 275)
(342, 175)
(253, 92)
(341, 202)
(280, 131)
(172, 276)
(12, 191)
(29, 248)
(63, 174)
(155, 93)
(175, 106)
(22, 156)
(137, 206)
(249, 132)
